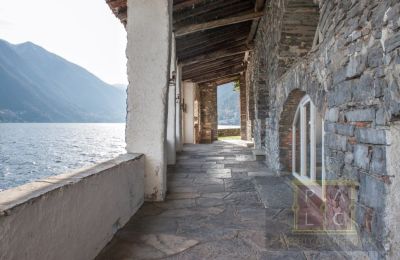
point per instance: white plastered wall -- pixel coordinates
(148, 51)
(188, 123)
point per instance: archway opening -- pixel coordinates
(228, 111)
(286, 129)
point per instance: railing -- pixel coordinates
(73, 215)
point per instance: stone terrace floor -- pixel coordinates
(221, 204)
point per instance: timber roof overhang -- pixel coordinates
(212, 36)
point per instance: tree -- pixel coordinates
(236, 86)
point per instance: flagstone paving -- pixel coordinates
(221, 204)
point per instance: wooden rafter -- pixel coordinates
(218, 76)
(203, 71)
(204, 42)
(227, 79)
(210, 68)
(116, 3)
(217, 23)
(186, 4)
(259, 6)
(211, 35)
(215, 55)
(211, 10)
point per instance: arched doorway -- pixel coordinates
(286, 131)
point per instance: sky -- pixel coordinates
(84, 32)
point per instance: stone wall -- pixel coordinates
(249, 101)
(352, 75)
(208, 113)
(261, 94)
(286, 130)
(243, 108)
(229, 132)
(73, 215)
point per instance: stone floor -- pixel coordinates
(222, 204)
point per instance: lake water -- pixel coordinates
(33, 151)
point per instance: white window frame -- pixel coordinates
(303, 174)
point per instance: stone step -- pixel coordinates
(259, 155)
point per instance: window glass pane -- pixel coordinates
(296, 143)
(308, 143)
(318, 141)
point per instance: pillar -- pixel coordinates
(261, 100)
(179, 125)
(243, 108)
(171, 123)
(148, 53)
(188, 112)
(250, 109)
(208, 113)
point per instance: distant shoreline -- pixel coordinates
(228, 126)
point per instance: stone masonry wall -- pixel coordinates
(285, 130)
(249, 101)
(208, 113)
(261, 93)
(243, 110)
(353, 77)
(229, 132)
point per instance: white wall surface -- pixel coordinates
(179, 119)
(171, 123)
(73, 215)
(188, 123)
(148, 51)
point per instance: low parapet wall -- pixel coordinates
(229, 132)
(71, 216)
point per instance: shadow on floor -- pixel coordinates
(221, 204)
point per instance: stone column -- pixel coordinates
(178, 109)
(208, 113)
(243, 108)
(148, 52)
(250, 110)
(171, 123)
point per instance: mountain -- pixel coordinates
(228, 105)
(39, 86)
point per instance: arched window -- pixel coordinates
(307, 144)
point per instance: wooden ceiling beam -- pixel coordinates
(217, 23)
(259, 7)
(210, 71)
(214, 55)
(221, 81)
(186, 4)
(212, 48)
(227, 80)
(217, 76)
(205, 40)
(210, 8)
(237, 57)
(116, 3)
(212, 68)
(253, 30)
